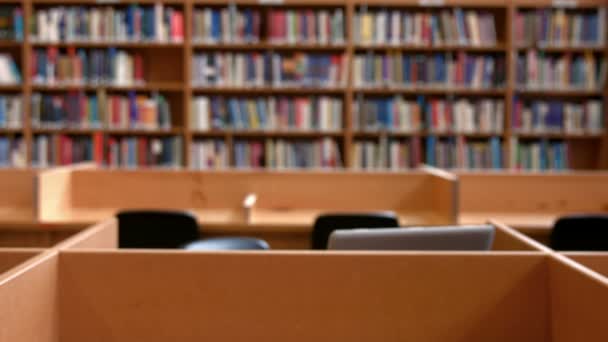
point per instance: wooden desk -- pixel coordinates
(530, 202)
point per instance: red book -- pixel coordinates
(256, 24)
(299, 113)
(177, 26)
(311, 25)
(460, 68)
(139, 68)
(142, 152)
(83, 109)
(115, 111)
(282, 25)
(98, 148)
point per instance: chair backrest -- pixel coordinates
(580, 233)
(325, 224)
(156, 229)
(227, 243)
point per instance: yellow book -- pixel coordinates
(253, 114)
(366, 27)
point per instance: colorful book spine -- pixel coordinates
(79, 110)
(462, 153)
(75, 149)
(305, 26)
(286, 154)
(44, 151)
(438, 70)
(315, 113)
(387, 113)
(539, 155)
(11, 111)
(538, 70)
(558, 116)
(144, 152)
(559, 27)
(386, 154)
(226, 69)
(133, 23)
(447, 27)
(226, 25)
(464, 115)
(77, 67)
(12, 152)
(11, 23)
(208, 154)
(9, 72)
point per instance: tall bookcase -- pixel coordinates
(169, 68)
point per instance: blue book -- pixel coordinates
(93, 113)
(460, 26)
(388, 116)
(130, 21)
(216, 24)
(261, 109)
(2, 111)
(111, 72)
(133, 114)
(544, 151)
(430, 151)
(18, 24)
(85, 68)
(496, 153)
(243, 110)
(406, 69)
(248, 14)
(233, 114)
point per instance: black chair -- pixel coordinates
(325, 224)
(580, 233)
(172, 229)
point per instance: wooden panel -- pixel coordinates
(508, 239)
(28, 298)
(579, 299)
(11, 257)
(302, 297)
(445, 193)
(17, 202)
(54, 196)
(530, 200)
(101, 235)
(597, 261)
(40, 237)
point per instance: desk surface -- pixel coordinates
(533, 223)
(213, 220)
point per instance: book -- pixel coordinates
(208, 154)
(464, 153)
(9, 73)
(12, 152)
(387, 113)
(287, 154)
(79, 110)
(313, 113)
(71, 66)
(11, 111)
(144, 152)
(558, 116)
(555, 27)
(443, 27)
(386, 154)
(305, 26)
(448, 70)
(227, 69)
(539, 155)
(132, 23)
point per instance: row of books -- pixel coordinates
(11, 111)
(459, 153)
(208, 154)
(322, 113)
(540, 155)
(403, 70)
(226, 25)
(12, 152)
(268, 69)
(79, 110)
(558, 116)
(63, 150)
(135, 23)
(437, 115)
(287, 154)
(537, 70)
(79, 66)
(9, 72)
(446, 27)
(386, 154)
(560, 27)
(11, 23)
(297, 26)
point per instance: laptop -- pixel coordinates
(442, 238)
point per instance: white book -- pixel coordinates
(159, 22)
(395, 27)
(380, 28)
(54, 25)
(202, 113)
(225, 25)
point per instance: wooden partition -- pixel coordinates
(17, 199)
(29, 311)
(530, 202)
(12, 257)
(160, 296)
(596, 261)
(286, 202)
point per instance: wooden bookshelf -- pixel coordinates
(170, 72)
